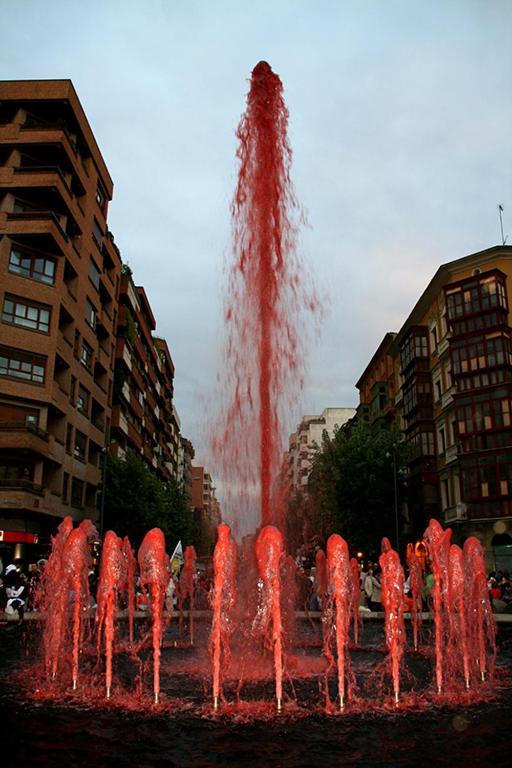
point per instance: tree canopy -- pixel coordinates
(136, 500)
(351, 486)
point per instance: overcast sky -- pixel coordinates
(400, 123)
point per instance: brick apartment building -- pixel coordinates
(143, 417)
(76, 334)
(446, 380)
(59, 280)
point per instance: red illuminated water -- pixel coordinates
(222, 602)
(76, 562)
(269, 551)
(458, 611)
(341, 587)
(266, 297)
(155, 573)
(438, 543)
(392, 583)
(480, 620)
(113, 574)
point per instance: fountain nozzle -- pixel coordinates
(279, 705)
(108, 692)
(215, 703)
(396, 698)
(74, 684)
(342, 702)
(467, 684)
(156, 698)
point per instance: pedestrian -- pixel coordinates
(372, 590)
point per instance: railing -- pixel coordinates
(14, 484)
(43, 169)
(20, 426)
(38, 216)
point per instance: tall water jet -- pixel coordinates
(52, 600)
(266, 297)
(269, 551)
(438, 543)
(222, 601)
(341, 587)
(155, 572)
(416, 589)
(481, 623)
(76, 561)
(459, 611)
(392, 583)
(113, 572)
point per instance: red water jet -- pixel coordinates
(155, 572)
(76, 561)
(392, 584)
(131, 564)
(265, 299)
(458, 611)
(342, 594)
(269, 551)
(113, 571)
(222, 601)
(356, 580)
(481, 623)
(438, 544)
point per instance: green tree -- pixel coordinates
(352, 486)
(136, 500)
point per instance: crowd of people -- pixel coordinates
(18, 588)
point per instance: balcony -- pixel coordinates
(17, 436)
(42, 224)
(21, 485)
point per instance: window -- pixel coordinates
(32, 420)
(18, 365)
(94, 274)
(77, 492)
(82, 401)
(72, 391)
(100, 197)
(65, 487)
(80, 447)
(90, 313)
(34, 317)
(442, 440)
(35, 267)
(86, 355)
(97, 234)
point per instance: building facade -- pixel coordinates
(59, 282)
(307, 440)
(452, 379)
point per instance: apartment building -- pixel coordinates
(144, 419)
(59, 282)
(377, 388)
(453, 383)
(307, 440)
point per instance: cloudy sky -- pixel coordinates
(400, 123)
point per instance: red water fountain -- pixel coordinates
(341, 587)
(222, 601)
(113, 572)
(392, 584)
(438, 544)
(155, 573)
(266, 297)
(269, 551)
(53, 600)
(76, 562)
(458, 611)
(187, 587)
(481, 623)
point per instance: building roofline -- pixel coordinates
(385, 343)
(441, 277)
(63, 90)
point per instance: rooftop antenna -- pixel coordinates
(500, 213)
